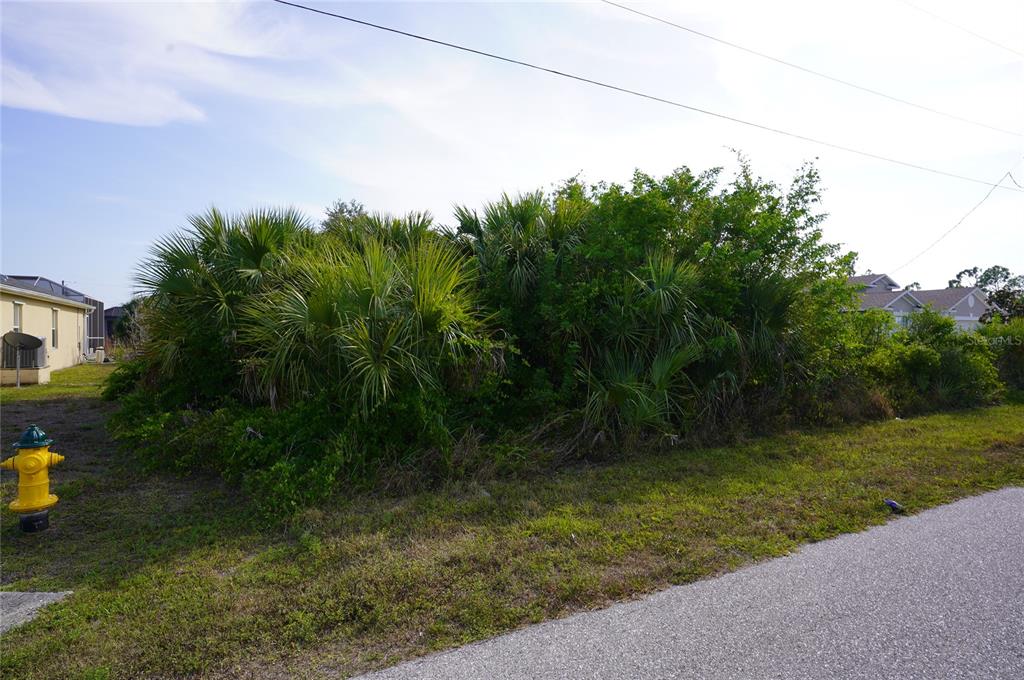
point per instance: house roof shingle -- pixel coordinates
(872, 280)
(879, 299)
(944, 298)
(862, 280)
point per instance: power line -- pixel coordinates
(636, 93)
(811, 71)
(962, 219)
(979, 36)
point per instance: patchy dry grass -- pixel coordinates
(83, 380)
(173, 577)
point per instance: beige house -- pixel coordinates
(59, 322)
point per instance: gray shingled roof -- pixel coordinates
(944, 298)
(863, 280)
(879, 299)
(871, 280)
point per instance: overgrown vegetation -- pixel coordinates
(584, 321)
(175, 577)
(1006, 339)
(926, 366)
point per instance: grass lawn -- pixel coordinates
(174, 577)
(83, 380)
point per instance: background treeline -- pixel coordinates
(589, 320)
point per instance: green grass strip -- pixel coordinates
(173, 577)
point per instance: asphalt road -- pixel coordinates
(936, 595)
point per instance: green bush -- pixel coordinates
(124, 379)
(1006, 340)
(670, 305)
(290, 457)
(906, 370)
(931, 365)
(294, 362)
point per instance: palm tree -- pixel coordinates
(635, 366)
(364, 319)
(514, 235)
(194, 282)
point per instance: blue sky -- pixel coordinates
(121, 119)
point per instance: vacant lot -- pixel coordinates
(174, 577)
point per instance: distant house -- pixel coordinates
(110, 318)
(879, 291)
(67, 321)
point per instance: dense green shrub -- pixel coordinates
(260, 306)
(288, 457)
(292, 360)
(931, 364)
(124, 378)
(906, 370)
(967, 372)
(364, 335)
(1006, 340)
(669, 304)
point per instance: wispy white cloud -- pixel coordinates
(151, 64)
(404, 125)
(105, 99)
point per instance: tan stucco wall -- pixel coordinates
(29, 376)
(36, 320)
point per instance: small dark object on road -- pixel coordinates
(894, 506)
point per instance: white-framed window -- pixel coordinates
(54, 314)
(17, 317)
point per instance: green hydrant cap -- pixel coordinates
(33, 438)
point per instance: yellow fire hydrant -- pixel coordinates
(32, 463)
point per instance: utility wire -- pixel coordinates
(962, 219)
(979, 36)
(636, 93)
(811, 71)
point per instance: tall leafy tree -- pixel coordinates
(341, 214)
